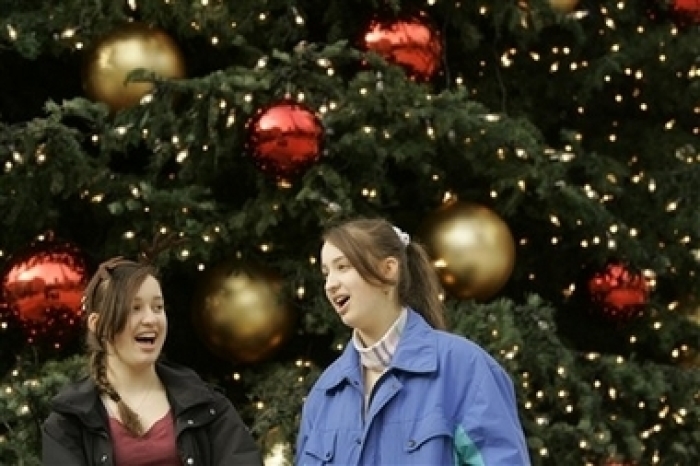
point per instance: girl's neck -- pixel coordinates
(372, 335)
(130, 379)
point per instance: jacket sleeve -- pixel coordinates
(304, 431)
(490, 432)
(232, 442)
(61, 442)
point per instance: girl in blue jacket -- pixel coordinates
(404, 391)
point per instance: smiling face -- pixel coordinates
(141, 340)
(369, 308)
(126, 315)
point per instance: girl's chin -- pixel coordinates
(348, 320)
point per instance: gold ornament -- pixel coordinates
(471, 247)
(563, 6)
(130, 47)
(560, 6)
(239, 312)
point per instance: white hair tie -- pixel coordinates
(403, 236)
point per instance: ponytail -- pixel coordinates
(421, 289)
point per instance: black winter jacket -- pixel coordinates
(208, 428)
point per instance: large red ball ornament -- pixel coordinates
(411, 43)
(616, 462)
(688, 8)
(618, 292)
(284, 138)
(42, 289)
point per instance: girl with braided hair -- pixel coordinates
(135, 408)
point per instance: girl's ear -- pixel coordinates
(92, 321)
(390, 268)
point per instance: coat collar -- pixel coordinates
(185, 390)
(416, 353)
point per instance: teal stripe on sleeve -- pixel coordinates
(466, 453)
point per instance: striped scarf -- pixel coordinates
(378, 356)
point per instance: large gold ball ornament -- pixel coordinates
(471, 247)
(123, 50)
(560, 6)
(564, 6)
(240, 314)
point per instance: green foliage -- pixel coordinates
(579, 130)
(24, 405)
(283, 390)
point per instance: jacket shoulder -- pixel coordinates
(457, 349)
(186, 389)
(175, 368)
(459, 343)
(76, 397)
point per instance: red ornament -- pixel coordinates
(411, 43)
(284, 138)
(617, 462)
(42, 291)
(619, 293)
(688, 8)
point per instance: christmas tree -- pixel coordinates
(544, 151)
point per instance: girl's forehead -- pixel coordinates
(149, 286)
(330, 253)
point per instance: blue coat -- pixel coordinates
(443, 401)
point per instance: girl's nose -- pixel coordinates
(331, 284)
(149, 315)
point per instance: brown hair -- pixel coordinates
(109, 294)
(365, 242)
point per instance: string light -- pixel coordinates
(507, 60)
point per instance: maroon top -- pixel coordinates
(157, 447)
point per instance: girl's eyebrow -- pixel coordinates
(152, 298)
(334, 261)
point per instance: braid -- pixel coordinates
(131, 420)
(108, 296)
(98, 372)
